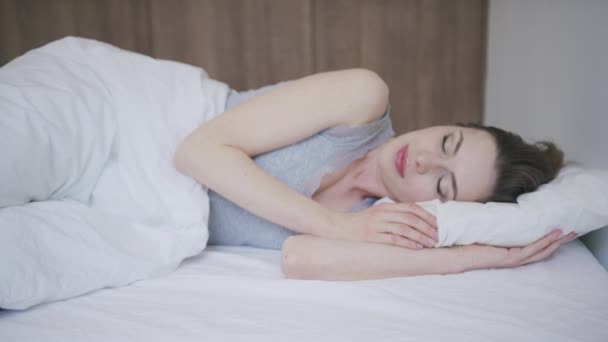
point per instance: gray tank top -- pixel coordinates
(301, 166)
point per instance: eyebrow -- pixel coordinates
(454, 186)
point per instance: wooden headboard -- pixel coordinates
(430, 52)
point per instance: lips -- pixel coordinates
(401, 160)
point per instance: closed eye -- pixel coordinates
(443, 141)
(443, 148)
(441, 196)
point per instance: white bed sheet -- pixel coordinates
(239, 294)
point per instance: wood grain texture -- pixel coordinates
(27, 24)
(430, 52)
(244, 43)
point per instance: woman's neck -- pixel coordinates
(344, 188)
(363, 176)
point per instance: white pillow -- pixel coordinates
(576, 201)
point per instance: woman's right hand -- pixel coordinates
(401, 224)
(485, 256)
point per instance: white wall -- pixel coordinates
(547, 78)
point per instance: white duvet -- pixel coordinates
(94, 128)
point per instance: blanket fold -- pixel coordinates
(92, 130)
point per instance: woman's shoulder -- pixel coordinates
(376, 125)
(381, 125)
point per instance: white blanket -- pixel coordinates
(92, 129)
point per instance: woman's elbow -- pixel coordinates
(293, 262)
(190, 152)
(373, 91)
(179, 158)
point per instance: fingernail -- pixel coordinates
(418, 246)
(431, 242)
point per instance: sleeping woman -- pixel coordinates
(298, 166)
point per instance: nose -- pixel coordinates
(426, 161)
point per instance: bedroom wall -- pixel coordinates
(547, 78)
(430, 52)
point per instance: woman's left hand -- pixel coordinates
(401, 224)
(484, 256)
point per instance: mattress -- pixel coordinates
(240, 294)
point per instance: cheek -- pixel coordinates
(417, 188)
(412, 188)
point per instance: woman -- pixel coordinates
(328, 137)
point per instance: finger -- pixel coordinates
(413, 221)
(412, 233)
(539, 244)
(393, 239)
(415, 209)
(542, 254)
(549, 249)
(570, 237)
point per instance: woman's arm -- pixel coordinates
(218, 153)
(309, 257)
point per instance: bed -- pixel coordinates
(239, 294)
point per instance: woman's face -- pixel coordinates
(440, 162)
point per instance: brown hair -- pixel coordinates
(521, 167)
